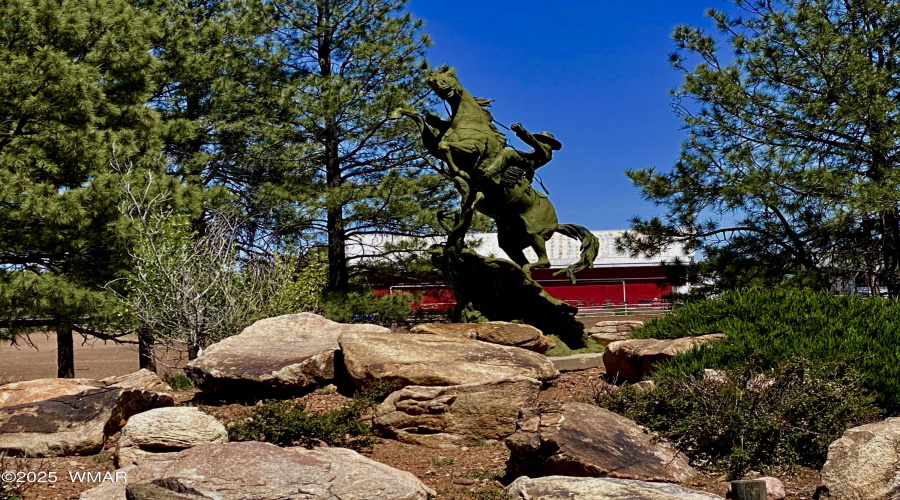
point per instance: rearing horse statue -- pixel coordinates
(467, 143)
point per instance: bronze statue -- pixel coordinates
(481, 168)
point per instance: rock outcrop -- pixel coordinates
(606, 332)
(246, 470)
(71, 424)
(631, 360)
(494, 332)
(166, 430)
(864, 464)
(599, 488)
(579, 439)
(455, 415)
(434, 360)
(287, 353)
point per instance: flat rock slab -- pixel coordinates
(32, 391)
(142, 379)
(253, 470)
(579, 439)
(72, 424)
(631, 360)
(455, 415)
(864, 463)
(578, 362)
(599, 488)
(615, 325)
(434, 360)
(166, 430)
(494, 332)
(289, 353)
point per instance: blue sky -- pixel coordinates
(594, 73)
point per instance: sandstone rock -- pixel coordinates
(579, 439)
(644, 386)
(109, 490)
(864, 463)
(599, 488)
(455, 415)
(166, 430)
(494, 332)
(286, 353)
(31, 391)
(73, 424)
(615, 325)
(606, 332)
(605, 339)
(578, 362)
(774, 488)
(234, 471)
(631, 360)
(142, 379)
(429, 360)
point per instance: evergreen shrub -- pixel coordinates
(741, 419)
(288, 423)
(772, 327)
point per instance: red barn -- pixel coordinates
(616, 280)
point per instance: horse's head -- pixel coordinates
(444, 83)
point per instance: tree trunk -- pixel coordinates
(891, 252)
(146, 356)
(65, 352)
(338, 276)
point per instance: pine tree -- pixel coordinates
(75, 76)
(345, 66)
(793, 143)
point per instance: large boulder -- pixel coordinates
(240, 471)
(455, 415)
(631, 360)
(494, 332)
(420, 359)
(72, 424)
(864, 463)
(288, 353)
(579, 439)
(599, 488)
(166, 430)
(31, 391)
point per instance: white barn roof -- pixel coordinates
(561, 250)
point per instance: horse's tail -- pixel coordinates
(590, 245)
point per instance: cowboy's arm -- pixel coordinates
(542, 152)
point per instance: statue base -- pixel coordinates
(492, 289)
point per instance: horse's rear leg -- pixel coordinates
(538, 243)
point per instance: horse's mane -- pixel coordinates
(486, 107)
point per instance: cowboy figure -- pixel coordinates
(512, 166)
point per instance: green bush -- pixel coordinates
(771, 327)
(356, 305)
(178, 381)
(288, 423)
(745, 420)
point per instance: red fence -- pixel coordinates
(644, 286)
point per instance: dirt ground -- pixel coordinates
(469, 473)
(35, 357)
